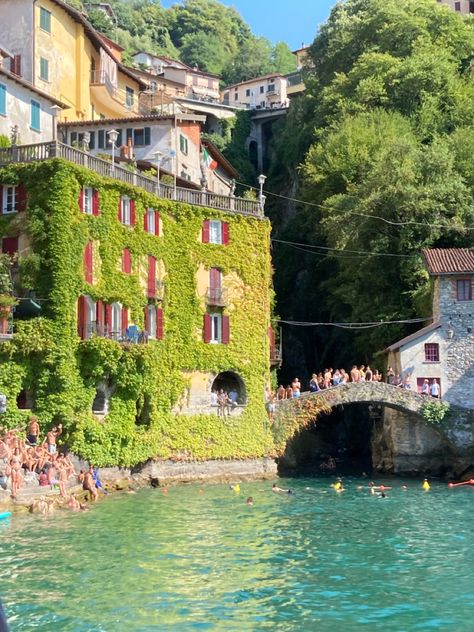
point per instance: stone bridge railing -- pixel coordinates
(364, 393)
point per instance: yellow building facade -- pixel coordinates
(59, 52)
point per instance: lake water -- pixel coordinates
(198, 558)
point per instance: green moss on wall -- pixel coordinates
(47, 357)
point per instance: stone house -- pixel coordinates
(444, 349)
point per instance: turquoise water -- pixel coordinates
(203, 560)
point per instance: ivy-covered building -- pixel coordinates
(131, 308)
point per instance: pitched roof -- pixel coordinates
(411, 337)
(449, 260)
(147, 118)
(220, 158)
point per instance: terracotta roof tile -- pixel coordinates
(449, 260)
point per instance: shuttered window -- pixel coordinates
(35, 116)
(3, 99)
(45, 20)
(44, 69)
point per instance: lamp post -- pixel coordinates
(261, 197)
(159, 156)
(55, 109)
(113, 135)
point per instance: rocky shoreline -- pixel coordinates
(153, 473)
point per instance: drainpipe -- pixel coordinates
(33, 48)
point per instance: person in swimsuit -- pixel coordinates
(88, 484)
(33, 431)
(16, 477)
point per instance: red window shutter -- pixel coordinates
(225, 330)
(81, 317)
(147, 324)
(145, 221)
(205, 231)
(80, 200)
(207, 328)
(215, 278)
(159, 323)
(1, 199)
(225, 233)
(151, 276)
(124, 320)
(15, 65)
(10, 245)
(21, 198)
(88, 264)
(157, 222)
(132, 212)
(120, 209)
(95, 203)
(126, 261)
(100, 315)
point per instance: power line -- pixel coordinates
(355, 326)
(378, 217)
(308, 247)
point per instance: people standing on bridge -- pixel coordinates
(313, 384)
(425, 388)
(355, 375)
(407, 382)
(368, 374)
(362, 373)
(296, 388)
(390, 376)
(336, 378)
(435, 389)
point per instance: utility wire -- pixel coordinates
(356, 326)
(333, 208)
(308, 247)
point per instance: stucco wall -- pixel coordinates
(19, 113)
(16, 19)
(412, 360)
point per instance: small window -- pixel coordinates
(139, 137)
(3, 99)
(129, 97)
(44, 69)
(88, 201)
(271, 88)
(151, 321)
(236, 96)
(9, 202)
(126, 215)
(247, 92)
(151, 221)
(262, 89)
(45, 20)
(183, 144)
(215, 231)
(216, 328)
(35, 116)
(464, 290)
(116, 324)
(457, 6)
(432, 352)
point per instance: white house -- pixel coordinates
(444, 349)
(176, 137)
(28, 110)
(268, 91)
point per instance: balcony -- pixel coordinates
(217, 297)
(156, 291)
(103, 90)
(46, 151)
(130, 335)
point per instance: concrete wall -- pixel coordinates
(19, 113)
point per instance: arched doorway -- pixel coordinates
(231, 383)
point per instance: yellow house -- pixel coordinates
(57, 50)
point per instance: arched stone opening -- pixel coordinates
(101, 403)
(232, 384)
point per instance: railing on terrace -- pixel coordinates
(46, 151)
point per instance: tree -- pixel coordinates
(252, 60)
(282, 58)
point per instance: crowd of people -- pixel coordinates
(37, 461)
(224, 401)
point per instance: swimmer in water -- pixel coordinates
(426, 486)
(337, 486)
(277, 489)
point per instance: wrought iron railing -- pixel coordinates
(47, 151)
(217, 297)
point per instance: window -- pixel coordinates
(457, 6)
(464, 290)
(44, 69)
(247, 92)
(142, 137)
(35, 116)
(86, 317)
(116, 321)
(215, 232)
(126, 211)
(271, 88)
(183, 144)
(152, 222)
(216, 328)
(45, 20)
(9, 201)
(129, 97)
(15, 65)
(236, 96)
(154, 322)
(3, 99)
(262, 89)
(431, 352)
(9, 245)
(88, 200)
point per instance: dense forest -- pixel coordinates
(202, 33)
(380, 153)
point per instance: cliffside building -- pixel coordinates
(444, 349)
(268, 91)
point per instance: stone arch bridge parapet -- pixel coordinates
(457, 428)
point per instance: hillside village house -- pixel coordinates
(462, 6)
(268, 91)
(444, 349)
(27, 114)
(57, 50)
